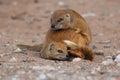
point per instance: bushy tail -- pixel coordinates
(88, 53)
(29, 47)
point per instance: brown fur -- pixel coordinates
(73, 28)
(73, 21)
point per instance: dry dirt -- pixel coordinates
(27, 21)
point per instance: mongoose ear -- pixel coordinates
(51, 48)
(71, 44)
(68, 15)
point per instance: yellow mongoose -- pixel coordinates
(67, 25)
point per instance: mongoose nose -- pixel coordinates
(67, 55)
(53, 26)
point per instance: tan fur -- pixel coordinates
(70, 19)
(66, 25)
(54, 50)
(69, 25)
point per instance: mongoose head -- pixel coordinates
(61, 19)
(57, 51)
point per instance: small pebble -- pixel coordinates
(98, 68)
(43, 68)
(89, 78)
(29, 21)
(42, 77)
(36, 1)
(117, 59)
(62, 4)
(108, 62)
(106, 46)
(104, 42)
(4, 46)
(13, 59)
(99, 52)
(14, 3)
(17, 50)
(36, 67)
(98, 34)
(93, 71)
(94, 47)
(118, 64)
(76, 59)
(118, 52)
(89, 15)
(20, 72)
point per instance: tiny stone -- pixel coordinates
(99, 52)
(42, 77)
(98, 68)
(17, 50)
(107, 62)
(117, 59)
(107, 46)
(89, 78)
(108, 57)
(118, 64)
(76, 59)
(20, 72)
(13, 59)
(118, 52)
(93, 72)
(60, 3)
(36, 67)
(104, 42)
(111, 15)
(4, 46)
(1, 55)
(94, 47)
(33, 41)
(89, 14)
(14, 3)
(36, 1)
(29, 21)
(98, 34)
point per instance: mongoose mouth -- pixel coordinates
(65, 59)
(56, 29)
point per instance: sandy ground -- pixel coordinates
(27, 21)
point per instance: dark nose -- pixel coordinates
(53, 26)
(67, 55)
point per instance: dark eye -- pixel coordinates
(60, 51)
(59, 20)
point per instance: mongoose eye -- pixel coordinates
(60, 51)
(60, 19)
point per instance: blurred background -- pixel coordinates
(27, 22)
